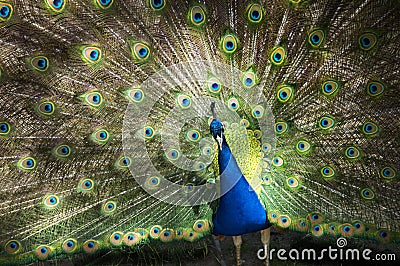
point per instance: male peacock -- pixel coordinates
(105, 122)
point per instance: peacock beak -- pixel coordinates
(219, 139)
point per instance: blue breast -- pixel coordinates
(240, 210)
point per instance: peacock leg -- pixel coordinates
(265, 239)
(237, 241)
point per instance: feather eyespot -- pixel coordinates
(123, 162)
(375, 88)
(352, 152)
(249, 78)
(327, 172)
(43, 252)
(277, 161)
(173, 154)
(233, 104)
(367, 41)
(51, 201)
(40, 63)
(116, 238)
(69, 245)
(5, 129)
(167, 235)
(62, 151)
(184, 101)
(329, 87)
(197, 16)
(229, 44)
(109, 207)
(12, 247)
(258, 112)
(214, 85)
(56, 5)
(27, 163)
(278, 56)
(90, 246)
(148, 132)
(292, 182)
(388, 173)
(303, 147)
(100, 136)
(131, 238)
(266, 148)
(86, 185)
(93, 99)
(284, 93)
(155, 231)
(255, 13)
(281, 127)
(284, 221)
(157, 4)
(6, 11)
(104, 4)
(316, 38)
(91, 54)
(369, 128)
(140, 51)
(367, 194)
(317, 230)
(135, 95)
(326, 123)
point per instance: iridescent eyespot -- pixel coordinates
(316, 38)
(292, 182)
(51, 201)
(5, 128)
(155, 231)
(207, 150)
(184, 101)
(388, 173)
(46, 108)
(346, 230)
(210, 183)
(277, 161)
(135, 95)
(278, 56)
(201, 226)
(193, 135)
(13, 246)
(258, 112)
(116, 238)
(244, 123)
(302, 225)
(326, 122)
(152, 182)
(56, 5)
(383, 236)
(367, 194)
(100, 136)
(90, 246)
(91, 54)
(167, 235)
(148, 132)
(140, 51)
(131, 238)
(233, 104)
(40, 63)
(104, 4)
(6, 11)
(284, 221)
(375, 88)
(172, 154)
(62, 151)
(109, 207)
(26, 163)
(359, 227)
(157, 4)
(199, 166)
(327, 172)
(229, 44)
(367, 41)
(281, 128)
(249, 78)
(315, 217)
(214, 85)
(255, 13)
(93, 99)
(332, 229)
(266, 148)
(69, 245)
(188, 188)
(267, 180)
(123, 162)
(352, 152)
(86, 185)
(284, 93)
(43, 252)
(330, 87)
(303, 147)
(197, 16)
(317, 230)
(257, 134)
(369, 128)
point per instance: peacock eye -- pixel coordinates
(316, 38)
(6, 11)
(254, 13)
(367, 41)
(56, 5)
(12, 246)
(229, 44)
(40, 63)
(104, 4)
(91, 54)
(157, 4)
(70, 245)
(278, 56)
(197, 16)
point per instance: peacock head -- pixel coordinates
(217, 130)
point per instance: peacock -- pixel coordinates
(141, 124)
